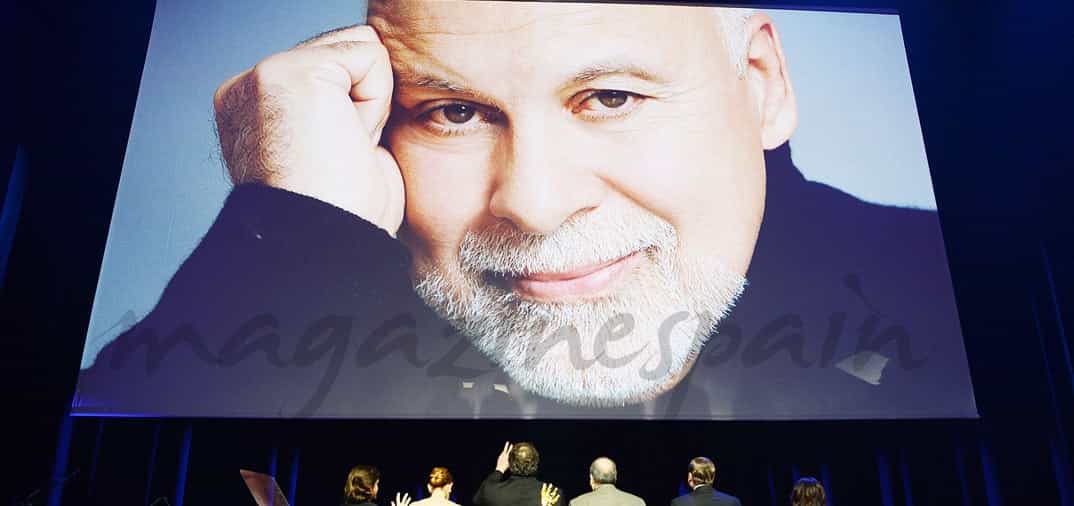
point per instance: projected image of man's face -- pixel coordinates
(584, 184)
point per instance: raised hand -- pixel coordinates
(549, 494)
(401, 500)
(309, 120)
(502, 461)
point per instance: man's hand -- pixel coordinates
(549, 495)
(309, 120)
(502, 461)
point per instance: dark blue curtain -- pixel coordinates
(15, 187)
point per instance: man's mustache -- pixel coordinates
(588, 239)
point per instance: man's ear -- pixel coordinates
(769, 81)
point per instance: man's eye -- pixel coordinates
(608, 104)
(611, 99)
(458, 113)
(456, 118)
(454, 115)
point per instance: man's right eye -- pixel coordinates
(456, 118)
(458, 113)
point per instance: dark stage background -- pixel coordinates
(993, 83)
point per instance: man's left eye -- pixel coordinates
(611, 99)
(606, 104)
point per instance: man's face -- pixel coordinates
(571, 168)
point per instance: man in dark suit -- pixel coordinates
(700, 476)
(514, 482)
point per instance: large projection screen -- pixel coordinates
(524, 210)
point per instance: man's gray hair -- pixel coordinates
(603, 470)
(733, 22)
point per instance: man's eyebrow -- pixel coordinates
(410, 79)
(595, 71)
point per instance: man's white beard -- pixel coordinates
(681, 299)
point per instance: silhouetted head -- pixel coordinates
(362, 485)
(701, 471)
(808, 492)
(523, 459)
(602, 471)
(440, 479)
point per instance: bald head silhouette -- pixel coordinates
(602, 471)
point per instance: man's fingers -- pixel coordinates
(370, 74)
(353, 33)
(358, 65)
(364, 33)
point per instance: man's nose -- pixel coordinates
(543, 178)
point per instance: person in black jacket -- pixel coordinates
(514, 481)
(700, 476)
(556, 260)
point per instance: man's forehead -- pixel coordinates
(417, 17)
(453, 34)
(418, 22)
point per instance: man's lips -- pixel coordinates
(584, 282)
